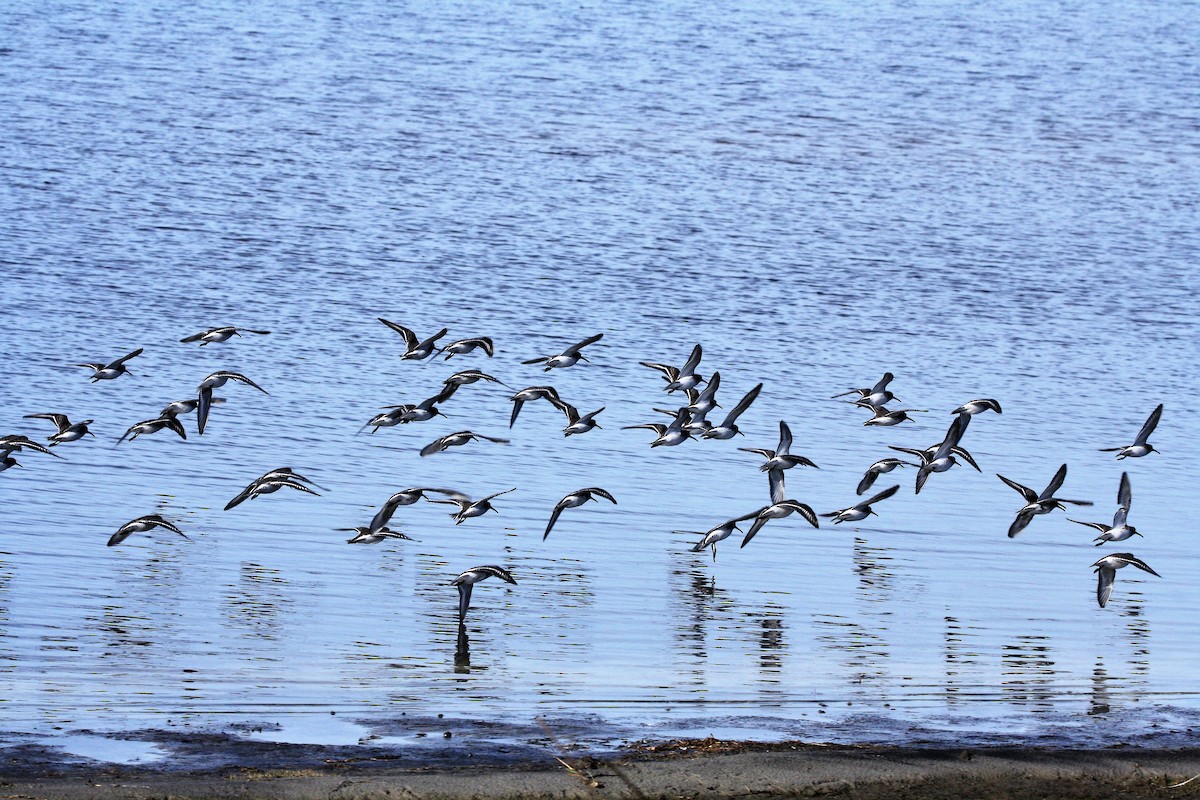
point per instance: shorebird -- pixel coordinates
(1119, 531)
(15, 441)
(567, 358)
(427, 408)
(778, 460)
(718, 534)
(469, 376)
(1042, 503)
(575, 498)
(886, 418)
(861, 510)
(153, 426)
(7, 461)
(579, 424)
(728, 428)
(678, 378)
(468, 508)
(878, 468)
(667, 435)
(219, 334)
(271, 482)
(1107, 569)
(216, 381)
(387, 419)
(456, 440)
(779, 510)
(702, 401)
(67, 432)
(694, 422)
(463, 346)
(978, 407)
(407, 497)
(141, 525)
(415, 350)
(288, 473)
(876, 395)
(364, 534)
(474, 575)
(535, 393)
(941, 457)
(177, 407)
(113, 369)
(1140, 446)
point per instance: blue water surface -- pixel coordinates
(988, 201)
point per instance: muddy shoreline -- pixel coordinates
(706, 768)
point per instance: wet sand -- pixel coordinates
(684, 769)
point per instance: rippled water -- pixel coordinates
(989, 202)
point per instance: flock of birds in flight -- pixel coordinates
(688, 421)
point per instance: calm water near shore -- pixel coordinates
(988, 202)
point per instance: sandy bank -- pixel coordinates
(698, 770)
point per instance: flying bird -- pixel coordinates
(153, 426)
(222, 334)
(467, 580)
(680, 378)
(877, 395)
(14, 442)
(1107, 568)
(574, 499)
(940, 457)
(862, 510)
(1036, 503)
(728, 428)
(364, 534)
(111, 370)
(406, 497)
(718, 534)
(702, 401)
(667, 435)
(468, 508)
(270, 482)
(778, 460)
(67, 431)
(1120, 530)
(579, 424)
(548, 393)
(456, 440)
(978, 407)
(883, 417)
(469, 376)
(416, 349)
(141, 525)
(463, 346)
(779, 510)
(567, 358)
(204, 400)
(1140, 446)
(880, 467)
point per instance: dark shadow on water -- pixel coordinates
(462, 650)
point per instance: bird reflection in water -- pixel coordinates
(1029, 671)
(702, 601)
(1137, 634)
(957, 656)
(462, 651)
(253, 605)
(1100, 680)
(771, 645)
(872, 564)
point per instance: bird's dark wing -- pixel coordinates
(1148, 427)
